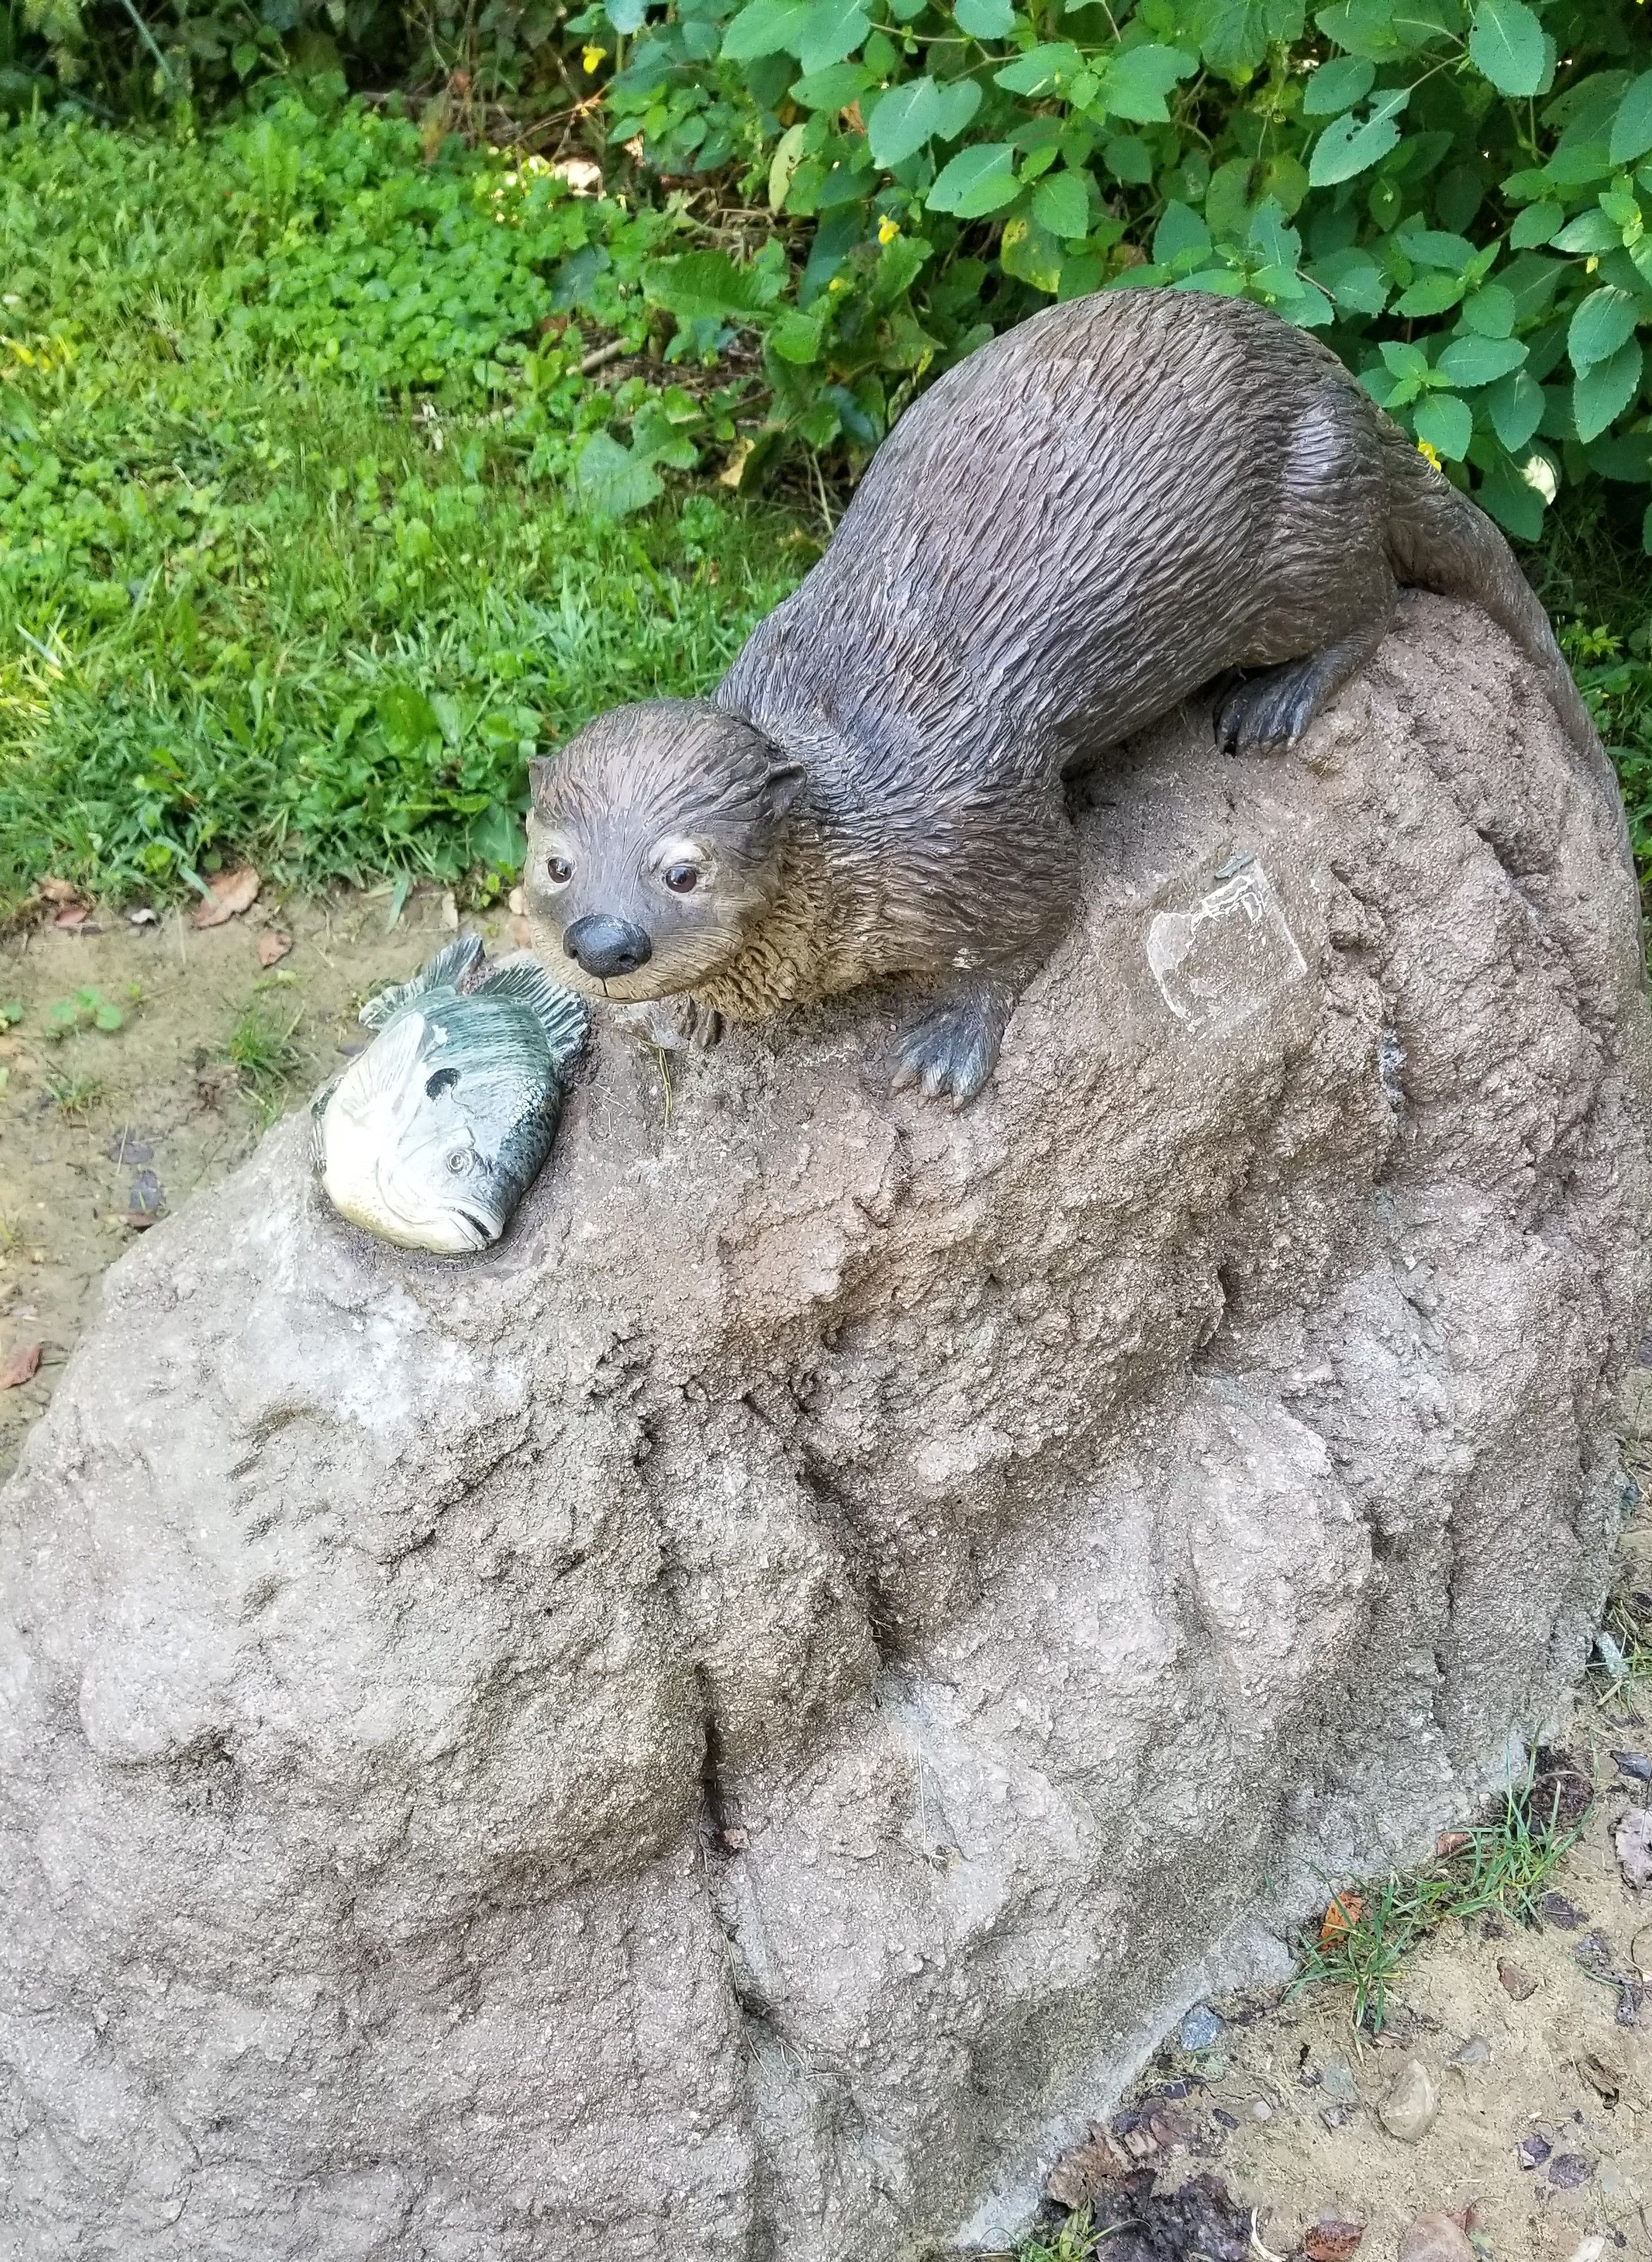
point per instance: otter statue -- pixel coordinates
(1091, 517)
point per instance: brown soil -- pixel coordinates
(98, 1131)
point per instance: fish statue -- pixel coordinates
(433, 1134)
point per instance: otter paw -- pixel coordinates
(675, 1025)
(952, 1052)
(1268, 713)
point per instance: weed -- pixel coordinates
(87, 1009)
(1074, 2242)
(11, 1013)
(262, 1053)
(75, 1094)
(1502, 1865)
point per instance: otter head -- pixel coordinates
(654, 846)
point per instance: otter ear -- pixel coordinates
(780, 788)
(538, 777)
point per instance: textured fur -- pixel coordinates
(1091, 517)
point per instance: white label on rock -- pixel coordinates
(1220, 963)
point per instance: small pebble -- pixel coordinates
(1515, 1983)
(1201, 2029)
(1568, 2170)
(1475, 2051)
(1533, 2150)
(1261, 2110)
(1223, 2119)
(1407, 2110)
(1635, 1763)
(1557, 1910)
(1338, 2083)
(1436, 2238)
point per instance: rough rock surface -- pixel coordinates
(721, 1730)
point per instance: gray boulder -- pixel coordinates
(726, 1729)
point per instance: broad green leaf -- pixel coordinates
(1433, 247)
(707, 285)
(1351, 145)
(1632, 127)
(834, 88)
(1446, 422)
(765, 27)
(626, 16)
(611, 481)
(1042, 70)
(831, 30)
(1139, 79)
(979, 179)
(986, 19)
(1591, 232)
(959, 102)
(1430, 294)
(1234, 36)
(904, 120)
(1403, 358)
(1127, 158)
(1489, 310)
(1601, 325)
(1506, 46)
(1513, 500)
(1605, 390)
(1337, 85)
(1061, 206)
(1515, 407)
(1538, 224)
(1353, 279)
(1181, 234)
(1468, 362)
(1031, 254)
(797, 337)
(783, 164)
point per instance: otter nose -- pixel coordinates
(605, 946)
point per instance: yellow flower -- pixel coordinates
(887, 229)
(591, 58)
(1432, 454)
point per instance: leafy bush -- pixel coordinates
(1453, 194)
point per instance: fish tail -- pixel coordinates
(453, 968)
(563, 1014)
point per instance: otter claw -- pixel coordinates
(674, 1024)
(950, 1053)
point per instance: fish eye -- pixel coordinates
(557, 870)
(682, 879)
(459, 1160)
(443, 1080)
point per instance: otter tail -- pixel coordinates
(1438, 540)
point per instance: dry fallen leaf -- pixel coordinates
(273, 946)
(1083, 2174)
(231, 893)
(1633, 1840)
(519, 900)
(1332, 2240)
(74, 915)
(1340, 1918)
(59, 891)
(1451, 1841)
(21, 1367)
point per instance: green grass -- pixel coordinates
(254, 603)
(1503, 1868)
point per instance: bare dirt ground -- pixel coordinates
(1540, 2140)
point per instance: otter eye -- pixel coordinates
(682, 879)
(459, 1161)
(557, 870)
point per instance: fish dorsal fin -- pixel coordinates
(563, 1014)
(453, 968)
